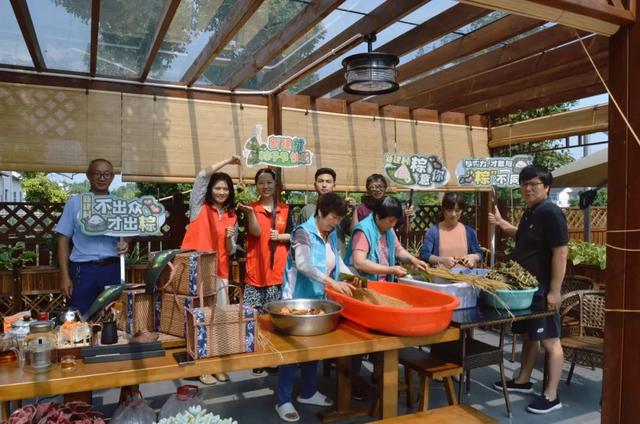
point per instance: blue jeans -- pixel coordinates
(89, 281)
(286, 375)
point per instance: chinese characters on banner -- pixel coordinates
(415, 171)
(495, 171)
(113, 216)
(278, 150)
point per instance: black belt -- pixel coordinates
(102, 262)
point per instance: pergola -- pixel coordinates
(212, 69)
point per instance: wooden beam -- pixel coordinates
(434, 28)
(375, 21)
(414, 93)
(621, 376)
(551, 14)
(585, 79)
(123, 87)
(551, 99)
(596, 9)
(21, 10)
(166, 16)
(574, 122)
(469, 90)
(95, 25)
(240, 14)
(544, 76)
(306, 19)
(478, 40)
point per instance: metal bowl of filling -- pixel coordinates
(304, 317)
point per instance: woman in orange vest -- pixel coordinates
(267, 244)
(214, 227)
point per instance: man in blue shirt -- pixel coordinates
(93, 262)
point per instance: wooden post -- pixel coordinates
(274, 126)
(621, 381)
(177, 220)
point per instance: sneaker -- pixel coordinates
(542, 405)
(513, 387)
(358, 392)
(258, 372)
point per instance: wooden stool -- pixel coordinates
(458, 414)
(428, 368)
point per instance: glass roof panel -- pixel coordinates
(13, 49)
(270, 18)
(192, 26)
(64, 32)
(332, 25)
(410, 21)
(361, 6)
(125, 35)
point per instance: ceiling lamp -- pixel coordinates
(370, 73)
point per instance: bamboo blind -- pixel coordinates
(57, 129)
(354, 146)
(171, 139)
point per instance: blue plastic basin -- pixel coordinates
(513, 299)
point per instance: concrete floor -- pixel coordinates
(250, 399)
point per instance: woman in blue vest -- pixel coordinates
(450, 242)
(312, 265)
(374, 250)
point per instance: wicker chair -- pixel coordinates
(569, 322)
(588, 346)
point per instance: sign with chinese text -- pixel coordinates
(278, 150)
(487, 172)
(415, 171)
(113, 216)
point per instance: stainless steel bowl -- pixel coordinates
(304, 325)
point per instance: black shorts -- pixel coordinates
(539, 328)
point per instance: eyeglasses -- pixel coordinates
(102, 175)
(530, 185)
(377, 187)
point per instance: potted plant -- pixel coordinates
(12, 260)
(587, 259)
(136, 266)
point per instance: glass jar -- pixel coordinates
(20, 329)
(40, 347)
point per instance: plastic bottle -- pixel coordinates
(185, 397)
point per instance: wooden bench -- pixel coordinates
(458, 414)
(428, 368)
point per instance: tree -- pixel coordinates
(127, 191)
(160, 191)
(39, 189)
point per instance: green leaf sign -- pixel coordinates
(416, 171)
(113, 216)
(492, 171)
(278, 150)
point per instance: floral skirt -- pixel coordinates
(259, 296)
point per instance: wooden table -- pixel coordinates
(348, 339)
(471, 353)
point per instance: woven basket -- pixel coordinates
(192, 272)
(172, 309)
(221, 330)
(139, 311)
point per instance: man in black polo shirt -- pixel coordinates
(541, 248)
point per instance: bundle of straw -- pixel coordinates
(483, 283)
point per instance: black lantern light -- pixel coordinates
(370, 73)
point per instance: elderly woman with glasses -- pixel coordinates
(376, 190)
(450, 242)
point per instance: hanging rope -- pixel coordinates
(613, 100)
(635, 136)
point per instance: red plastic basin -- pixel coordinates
(431, 311)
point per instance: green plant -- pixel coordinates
(134, 257)
(583, 252)
(14, 257)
